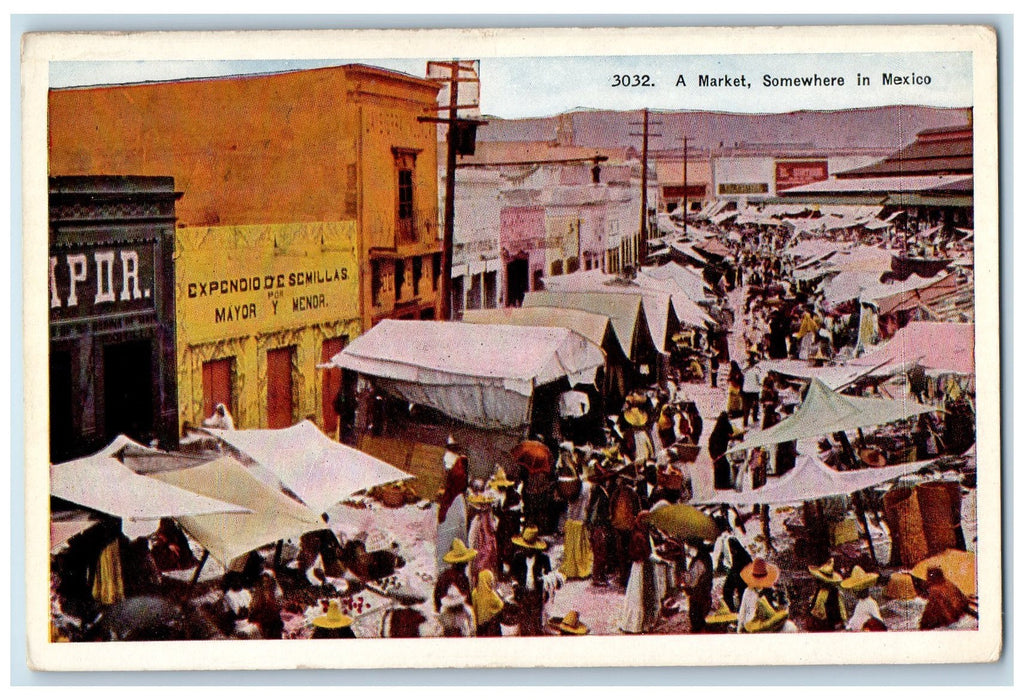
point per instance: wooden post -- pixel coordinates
(195, 576)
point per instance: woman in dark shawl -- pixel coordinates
(718, 443)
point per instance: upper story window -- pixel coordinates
(405, 214)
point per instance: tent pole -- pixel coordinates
(195, 576)
(277, 554)
(853, 461)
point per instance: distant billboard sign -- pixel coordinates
(793, 173)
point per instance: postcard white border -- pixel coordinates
(659, 650)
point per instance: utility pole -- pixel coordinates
(452, 143)
(448, 246)
(646, 134)
(686, 206)
(643, 199)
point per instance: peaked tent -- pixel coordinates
(811, 479)
(625, 311)
(102, 483)
(273, 515)
(480, 374)
(937, 347)
(318, 470)
(824, 411)
(593, 327)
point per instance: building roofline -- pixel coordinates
(348, 68)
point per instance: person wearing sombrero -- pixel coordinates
(530, 566)
(860, 582)
(599, 524)
(482, 536)
(577, 553)
(334, 624)
(828, 613)
(639, 447)
(905, 606)
(641, 606)
(508, 510)
(487, 606)
(451, 513)
(759, 576)
(453, 583)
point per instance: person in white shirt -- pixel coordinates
(860, 582)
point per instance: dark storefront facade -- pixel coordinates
(111, 289)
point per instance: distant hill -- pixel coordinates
(878, 127)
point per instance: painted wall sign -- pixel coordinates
(242, 280)
(793, 173)
(98, 281)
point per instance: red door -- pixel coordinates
(217, 385)
(279, 387)
(331, 383)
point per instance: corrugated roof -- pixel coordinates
(910, 183)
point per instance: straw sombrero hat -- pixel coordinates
(499, 480)
(722, 616)
(760, 574)
(334, 619)
(571, 624)
(859, 579)
(459, 553)
(480, 500)
(529, 539)
(826, 572)
(635, 416)
(872, 457)
(901, 587)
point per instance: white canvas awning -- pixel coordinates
(480, 374)
(318, 470)
(104, 484)
(937, 347)
(824, 411)
(811, 479)
(272, 516)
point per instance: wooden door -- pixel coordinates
(217, 386)
(279, 387)
(331, 383)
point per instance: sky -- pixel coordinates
(532, 87)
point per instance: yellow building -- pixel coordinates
(309, 213)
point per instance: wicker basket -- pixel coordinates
(903, 513)
(937, 516)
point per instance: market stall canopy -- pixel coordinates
(824, 411)
(834, 377)
(272, 516)
(64, 526)
(938, 347)
(480, 374)
(104, 484)
(318, 470)
(810, 479)
(692, 284)
(625, 311)
(714, 247)
(593, 327)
